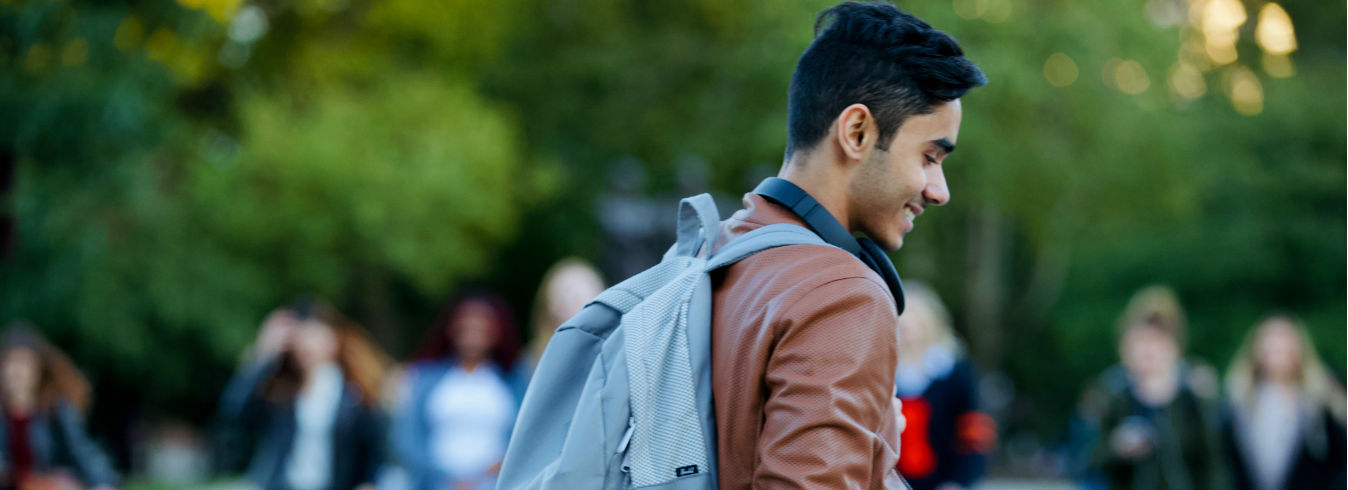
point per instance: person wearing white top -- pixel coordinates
(298, 412)
(315, 412)
(455, 408)
(1284, 425)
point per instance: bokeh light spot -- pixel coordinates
(129, 34)
(1187, 82)
(1278, 65)
(160, 45)
(997, 11)
(1060, 70)
(1274, 33)
(1244, 90)
(1130, 77)
(75, 52)
(970, 9)
(37, 59)
(1221, 21)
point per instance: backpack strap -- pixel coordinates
(697, 213)
(763, 238)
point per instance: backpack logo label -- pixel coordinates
(686, 470)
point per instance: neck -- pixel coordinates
(1282, 381)
(819, 172)
(469, 364)
(308, 375)
(1157, 387)
(20, 404)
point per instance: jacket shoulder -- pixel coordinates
(807, 266)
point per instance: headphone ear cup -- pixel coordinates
(876, 258)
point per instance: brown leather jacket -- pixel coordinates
(803, 361)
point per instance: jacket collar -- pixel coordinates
(758, 212)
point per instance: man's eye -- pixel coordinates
(930, 158)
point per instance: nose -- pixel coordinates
(936, 193)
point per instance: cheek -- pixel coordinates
(319, 345)
(15, 375)
(894, 182)
(902, 181)
(915, 179)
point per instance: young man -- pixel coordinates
(803, 337)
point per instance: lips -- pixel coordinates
(910, 213)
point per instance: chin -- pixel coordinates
(889, 243)
(888, 238)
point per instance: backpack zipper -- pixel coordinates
(627, 436)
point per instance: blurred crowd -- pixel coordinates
(316, 404)
(1158, 420)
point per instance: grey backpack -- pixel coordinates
(622, 395)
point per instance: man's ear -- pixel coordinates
(856, 131)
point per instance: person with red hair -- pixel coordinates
(455, 407)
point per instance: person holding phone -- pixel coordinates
(1156, 414)
(304, 411)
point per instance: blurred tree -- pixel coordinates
(182, 172)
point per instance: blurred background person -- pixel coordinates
(1157, 426)
(303, 411)
(1284, 425)
(455, 407)
(566, 287)
(43, 396)
(947, 436)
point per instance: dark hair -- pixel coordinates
(874, 54)
(437, 341)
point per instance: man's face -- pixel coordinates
(893, 187)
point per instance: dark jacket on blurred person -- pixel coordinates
(1317, 459)
(803, 360)
(1186, 452)
(946, 436)
(252, 424)
(54, 439)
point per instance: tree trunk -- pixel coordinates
(986, 285)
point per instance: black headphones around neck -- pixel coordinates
(783, 192)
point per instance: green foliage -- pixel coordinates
(162, 211)
(384, 176)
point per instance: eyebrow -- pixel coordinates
(944, 144)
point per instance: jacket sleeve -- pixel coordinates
(1218, 475)
(89, 461)
(1338, 451)
(1236, 468)
(408, 432)
(830, 380)
(372, 444)
(240, 416)
(1105, 467)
